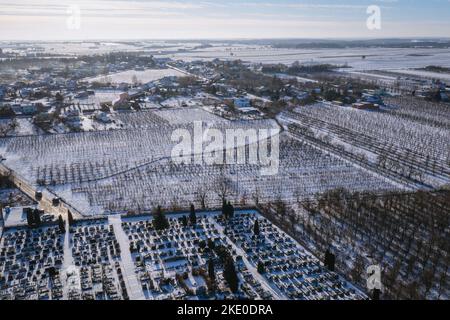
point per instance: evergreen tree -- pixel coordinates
(230, 275)
(192, 216)
(256, 228)
(33, 217)
(227, 209)
(329, 260)
(70, 217)
(211, 244)
(160, 221)
(61, 224)
(36, 217)
(202, 244)
(224, 208)
(211, 271)
(230, 210)
(184, 221)
(30, 218)
(261, 268)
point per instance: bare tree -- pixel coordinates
(135, 80)
(223, 187)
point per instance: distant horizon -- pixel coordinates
(346, 39)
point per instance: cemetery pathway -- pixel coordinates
(67, 259)
(133, 286)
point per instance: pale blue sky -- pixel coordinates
(181, 19)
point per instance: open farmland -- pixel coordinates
(375, 58)
(303, 173)
(131, 169)
(405, 143)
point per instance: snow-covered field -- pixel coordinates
(444, 77)
(418, 137)
(411, 138)
(375, 58)
(301, 175)
(189, 115)
(177, 102)
(26, 127)
(101, 95)
(97, 47)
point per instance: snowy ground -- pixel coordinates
(133, 286)
(14, 198)
(15, 217)
(26, 127)
(444, 77)
(413, 137)
(376, 58)
(116, 170)
(100, 96)
(189, 115)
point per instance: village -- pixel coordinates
(91, 92)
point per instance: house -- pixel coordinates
(121, 101)
(29, 109)
(169, 82)
(72, 113)
(82, 95)
(242, 103)
(26, 109)
(301, 95)
(249, 110)
(103, 117)
(2, 92)
(370, 98)
(365, 106)
(71, 84)
(25, 92)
